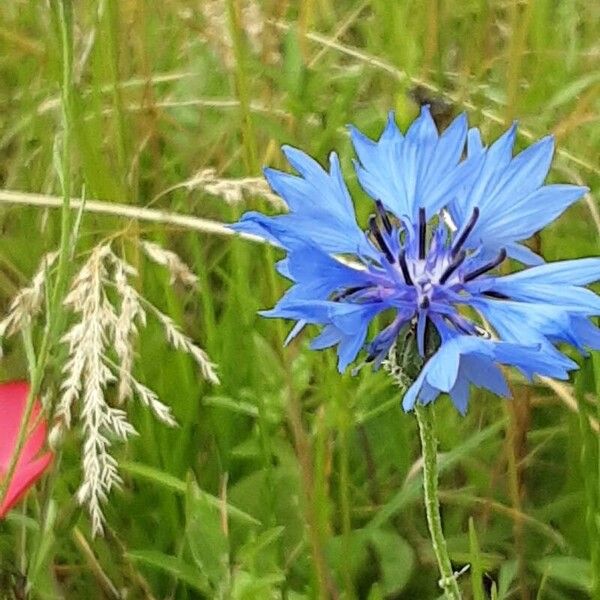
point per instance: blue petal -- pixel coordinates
(530, 324)
(421, 325)
(317, 274)
(419, 170)
(510, 195)
(523, 254)
(367, 150)
(586, 333)
(378, 170)
(580, 271)
(468, 358)
(567, 297)
(423, 131)
(293, 229)
(320, 205)
(485, 374)
(438, 192)
(296, 329)
(450, 147)
(474, 144)
(349, 344)
(330, 336)
(316, 311)
(350, 318)
(497, 158)
(520, 219)
(282, 267)
(379, 348)
(414, 391)
(331, 186)
(345, 324)
(256, 223)
(527, 170)
(532, 360)
(459, 394)
(442, 373)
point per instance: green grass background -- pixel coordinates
(320, 470)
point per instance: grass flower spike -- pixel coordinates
(31, 465)
(447, 212)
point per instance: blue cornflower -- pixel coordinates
(447, 213)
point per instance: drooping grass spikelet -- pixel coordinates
(101, 353)
(252, 21)
(177, 268)
(233, 190)
(29, 300)
(88, 375)
(180, 341)
(126, 329)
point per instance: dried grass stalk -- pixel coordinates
(101, 354)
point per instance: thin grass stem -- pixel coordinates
(241, 79)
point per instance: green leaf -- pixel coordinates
(174, 566)
(412, 488)
(348, 554)
(255, 547)
(293, 68)
(572, 90)
(508, 572)
(235, 406)
(476, 565)
(177, 485)
(571, 571)
(204, 533)
(250, 587)
(375, 593)
(396, 560)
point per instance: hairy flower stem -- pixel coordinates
(429, 443)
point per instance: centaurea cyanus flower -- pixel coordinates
(447, 213)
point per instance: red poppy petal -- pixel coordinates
(35, 439)
(13, 396)
(23, 479)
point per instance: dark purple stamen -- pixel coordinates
(456, 262)
(425, 303)
(422, 233)
(376, 233)
(461, 325)
(496, 295)
(462, 238)
(404, 268)
(384, 216)
(487, 267)
(337, 296)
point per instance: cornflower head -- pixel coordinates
(447, 212)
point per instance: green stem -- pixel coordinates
(425, 419)
(63, 12)
(345, 503)
(241, 79)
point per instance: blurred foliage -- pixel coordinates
(289, 481)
